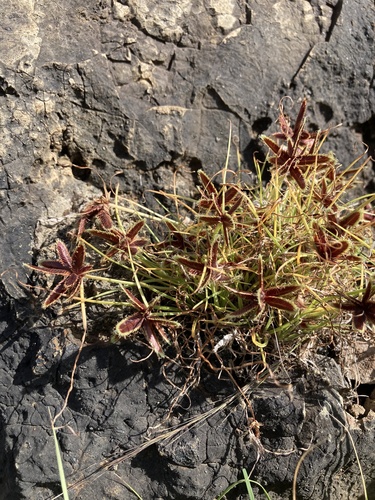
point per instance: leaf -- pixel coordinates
(105, 219)
(193, 266)
(133, 231)
(159, 326)
(50, 267)
(322, 160)
(236, 204)
(298, 177)
(207, 183)
(328, 250)
(359, 321)
(56, 293)
(271, 144)
(133, 299)
(350, 220)
(64, 255)
(298, 127)
(362, 310)
(71, 268)
(279, 303)
(271, 297)
(212, 220)
(281, 290)
(242, 311)
(109, 236)
(131, 324)
(98, 208)
(151, 337)
(230, 194)
(78, 257)
(121, 242)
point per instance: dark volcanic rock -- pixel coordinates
(143, 89)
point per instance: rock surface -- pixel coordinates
(140, 90)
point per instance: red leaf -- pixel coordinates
(78, 257)
(242, 311)
(211, 219)
(133, 299)
(151, 337)
(160, 329)
(279, 303)
(109, 236)
(230, 194)
(234, 207)
(367, 295)
(281, 290)
(63, 254)
(271, 144)
(71, 280)
(359, 321)
(51, 267)
(56, 293)
(350, 219)
(132, 233)
(298, 177)
(207, 183)
(300, 119)
(105, 219)
(318, 160)
(130, 324)
(337, 249)
(194, 267)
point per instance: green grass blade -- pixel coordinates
(230, 488)
(248, 484)
(60, 466)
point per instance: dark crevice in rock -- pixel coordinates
(100, 164)
(293, 79)
(261, 125)
(141, 165)
(171, 61)
(248, 14)
(213, 100)
(194, 165)
(79, 169)
(120, 149)
(7, 89)
(255, 149)
(336, 11)
(367, 131)
(366, 397)
(325, 111)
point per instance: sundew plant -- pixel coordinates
(238, 275)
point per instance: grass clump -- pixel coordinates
(240, 274)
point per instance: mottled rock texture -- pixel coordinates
(142, 89)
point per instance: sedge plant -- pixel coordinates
(239, 275)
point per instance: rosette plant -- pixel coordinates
(239, 274)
